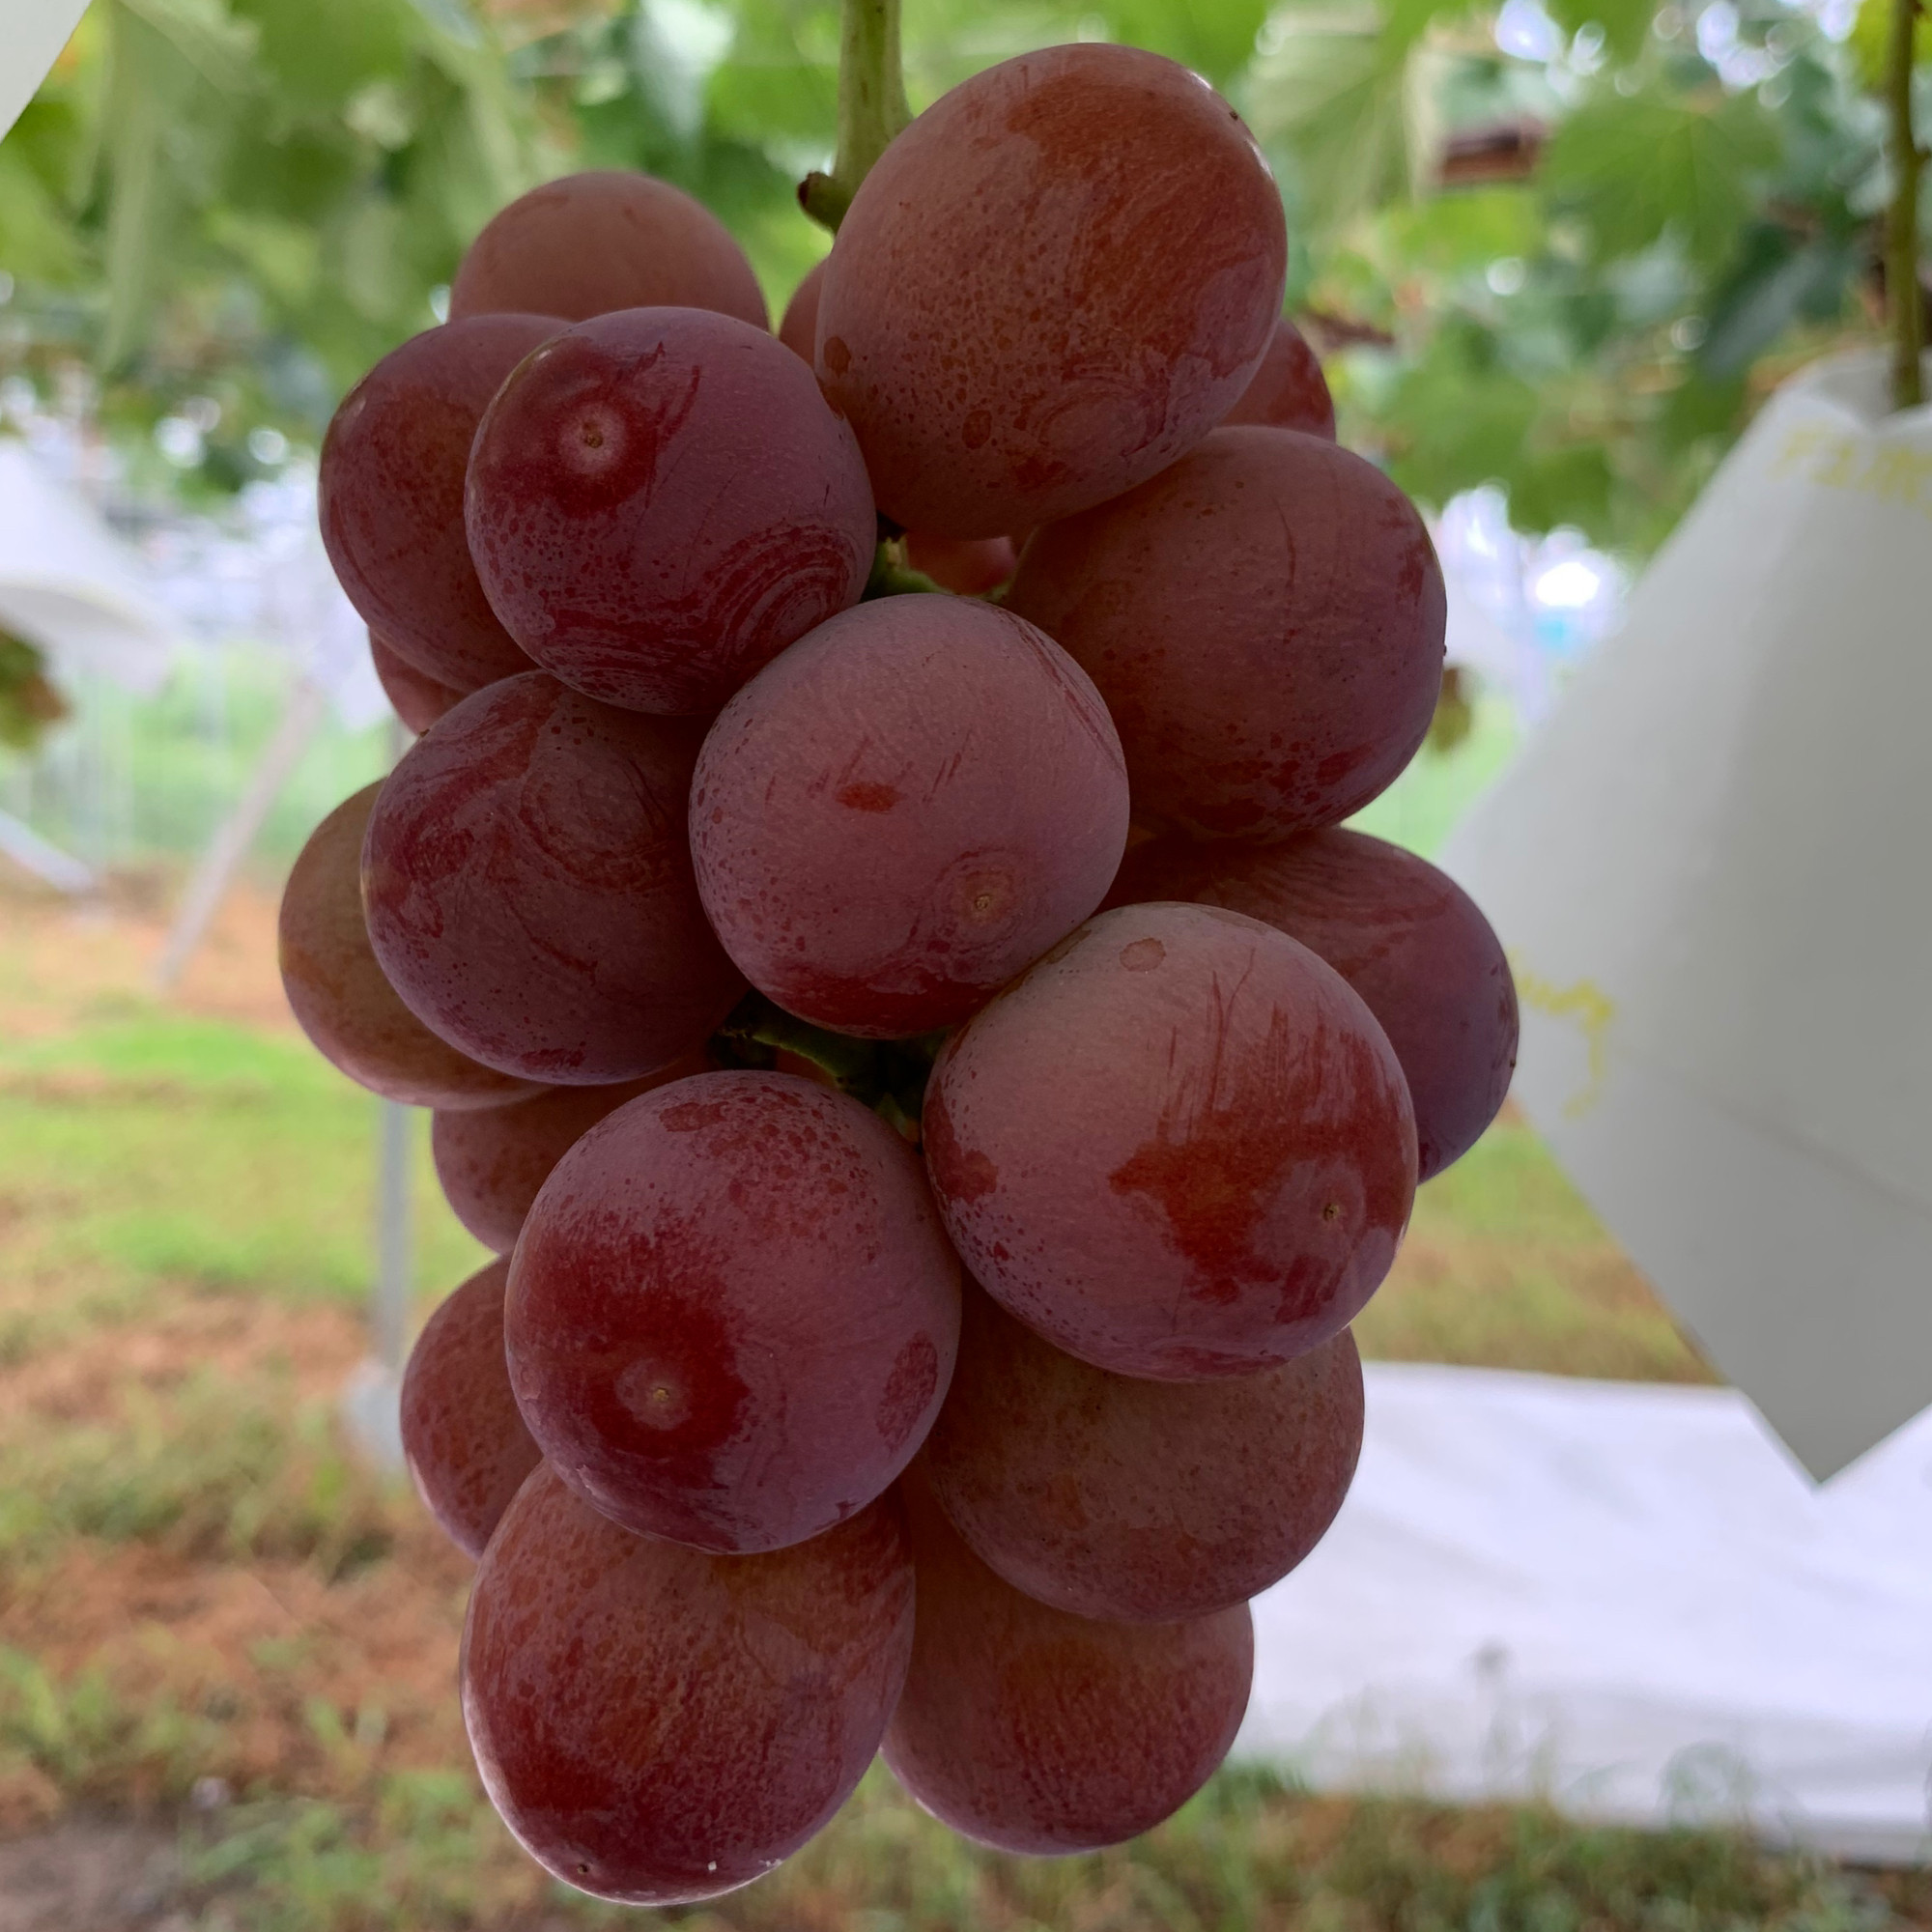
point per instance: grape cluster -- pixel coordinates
(866, 908)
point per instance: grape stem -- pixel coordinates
(871, 105)
(1908, 311)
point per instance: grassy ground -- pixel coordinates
(227, 1651)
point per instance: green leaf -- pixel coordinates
(1214, 37)
(217, 47)
(37, 241)
(1871, 41)
(1347, 103)
(1779, 279)
(314, 56)
(149, 86)
(1457, 418)
(1625, 23)
(1636, 170)
(1569, 485)
(281, 256)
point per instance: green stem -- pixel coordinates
(871, 105)
(1907, 312)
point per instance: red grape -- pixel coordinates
(970, 566)
(415, 697)
(604, 239)
(1181, 1146)
(390, 496)
(1051, 285)
(1407, 938)
(337, 991)
(1265, 621)
(1032, 1730)
(1139, 1501)
(659, 500)
(799, 331)
(967, 566)
(733, 1315)
(463, 1435)
(1289, 390)
(904, 810)
(526, 874)
(493, 1161)
(658, 1725)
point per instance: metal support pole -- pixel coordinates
(215, 872)
(389, 1305)
(372, 1400)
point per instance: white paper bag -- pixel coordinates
(1713, 869)
(31, 34)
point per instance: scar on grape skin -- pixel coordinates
(1212, 1171)
(909, 1389)
(961, 1174)
(865, 796)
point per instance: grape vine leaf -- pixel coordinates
(1347, 98)
(1625, 24)
(1634, 169)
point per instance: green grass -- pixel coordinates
(1423, 805)
(205, 1469)
(1250, 1854)
(145, 1147)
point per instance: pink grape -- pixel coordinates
(390, 496)
(1050, 286)
(1405, 936)
(902, 811)
(733, 1315)
(1180, 1146)
(1033, 1731)
(967, 566)
(339, 995)
(493, 1161)
(606, 240)
(526, 874)
(415, 697)
(1289, 390)
(464, 1437)
(660, 501)
(1139, 1501)
(1265, 621)
(658, 1725)
(799, 330)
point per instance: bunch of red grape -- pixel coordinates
(929, 1241)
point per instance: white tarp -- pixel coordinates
(1713, 869)
(1626, 1599)
(72, 587)
(31, 34)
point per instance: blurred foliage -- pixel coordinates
(1561, 250)
(1573, 274)
(28, 700)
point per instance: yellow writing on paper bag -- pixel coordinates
(1895, 472)
(1590, 1008)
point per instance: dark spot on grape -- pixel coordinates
(909, 1389)
(838, 357)
(979, 428)
(1143, 956)
(863, 796)
(961, 1174)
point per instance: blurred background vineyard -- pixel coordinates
(1560, 250)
